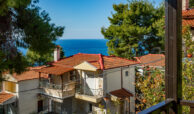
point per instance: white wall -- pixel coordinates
(93, 83)
(112, 82)
(27, 96)
(113, 79)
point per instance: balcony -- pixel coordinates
(58, 91)
(88, 94)
(167, 105)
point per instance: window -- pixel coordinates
(90, 74)
(72, 75)
(10, 86)
(126, 73)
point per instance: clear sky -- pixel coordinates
(81, 18)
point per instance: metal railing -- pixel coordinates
(166, 105)
(65, 87)
(89, 91)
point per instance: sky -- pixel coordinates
(82, 19)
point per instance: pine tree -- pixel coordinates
(134, 29)
(23, 25)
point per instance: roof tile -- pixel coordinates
(152, 60)
(5, 96)
(121, 93)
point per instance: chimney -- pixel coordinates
(185, 4)
(57, 53)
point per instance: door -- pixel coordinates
(40, 105)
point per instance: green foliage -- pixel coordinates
(24, 25)
(150, 88)
(187, 38)
(191, 3)
(188, 66)
(6, 4)
(138, 21)
(36, 59)
(187, 82)
(62, 53)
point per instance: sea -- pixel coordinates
(74, 46)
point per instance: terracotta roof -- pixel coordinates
(5, 96)
(121, 93)
(56, 70)
(29, 75)
(95, 63)
(188, 13)
(152, 60)
(188, 22)
(98, 60)
(188, 18)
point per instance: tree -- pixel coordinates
(133, 27)
(150, 88)
(187, 39)
(191, 3)
(62, 53)
(24, 25)
(36, 59)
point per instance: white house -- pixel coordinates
(19, 93)
(89, 83)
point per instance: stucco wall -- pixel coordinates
(93, 84)
(112, 81)
(27, 96)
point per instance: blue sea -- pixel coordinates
(91, 46)
(74, 46)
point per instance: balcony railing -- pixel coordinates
(61, 91)
(65, 86)
(89, 91)
(165, 106)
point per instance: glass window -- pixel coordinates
(126, 73)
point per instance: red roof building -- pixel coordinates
(152, 60)
(101, 62)
(5, 97)
(188, 18)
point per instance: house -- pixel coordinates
(150, 60)
(82, 83)
(88, 83)
(7, 103)
(19, 92)
(187, 20)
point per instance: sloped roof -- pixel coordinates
(152, 60)
(188, 13)
(5, 96)
(188, 18)
(56, 70)
(98, 60)
(188, 22)
(30, 74)
(121, 93)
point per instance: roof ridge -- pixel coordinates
(101, 61)
(87, 54)
(121, 58)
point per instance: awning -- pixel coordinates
(121, 93)
(55, 70)
(7, 98)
